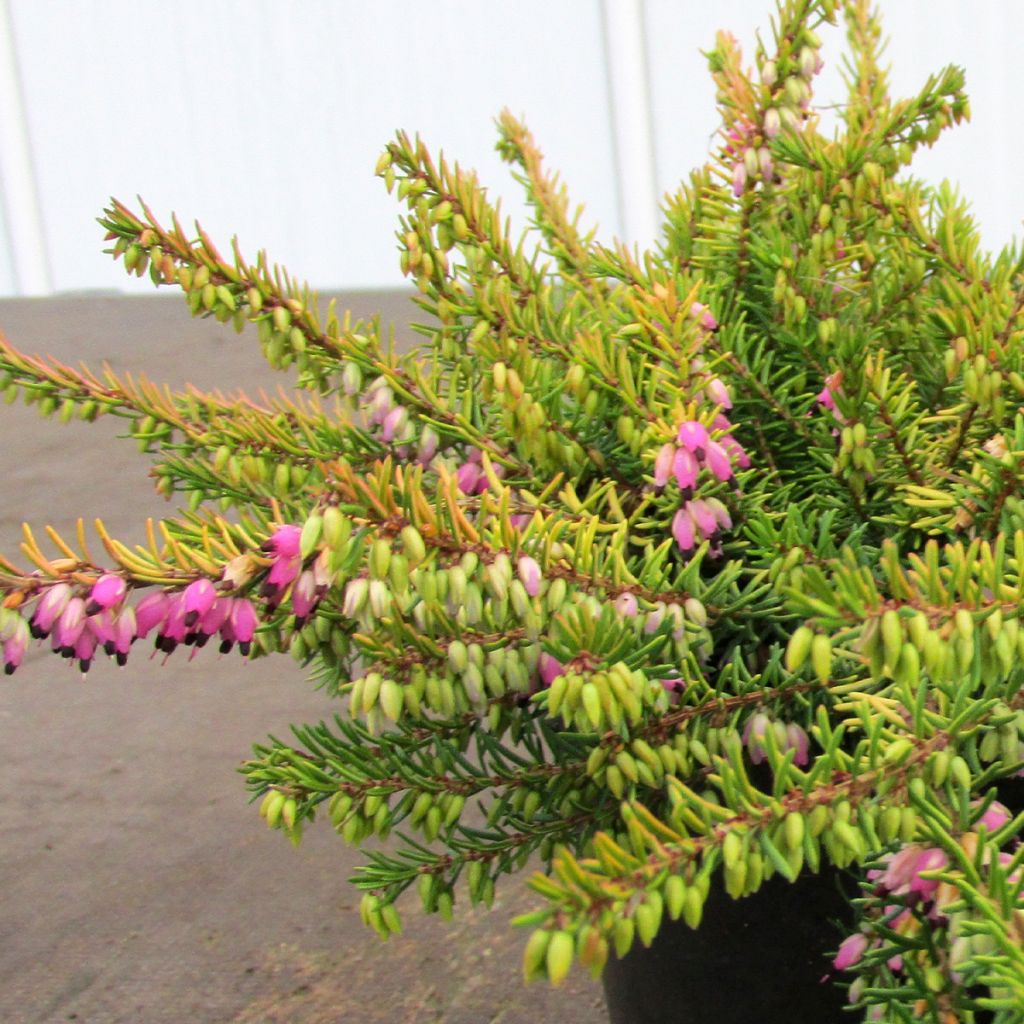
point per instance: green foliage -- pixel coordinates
(661, 571)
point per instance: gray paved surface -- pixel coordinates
(138, 886)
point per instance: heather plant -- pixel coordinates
(660, 571)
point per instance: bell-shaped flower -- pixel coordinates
(529, 574)
(717, 460)
(683, 530)
(49, 608)
(69, 627)
(663, 464)
(15, 643)
(199, 596)
(626, 605)
(549, 668)
(685, 468)
(851, 949)
(718, 393)
(150, 612)
(693, 436)
(106, 592)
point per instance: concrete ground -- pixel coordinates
(138, 885)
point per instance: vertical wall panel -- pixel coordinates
(266, 119)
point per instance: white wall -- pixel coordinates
(265, 117)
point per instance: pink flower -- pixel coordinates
(663, 464)
(243, 623)
(284, 541)
(15, 642)
(850, 951)
(529, 574)
(107, 591)
(698, 311)
(739, 178)
(69, 627)
(173, 630)
(718, 393)
(199, 596)
(685, 467)
(753, 736)
(626, 605)
(703, 518)
(824, 397)
(720, 512)
(682, 531)
(304, 597)
(693, 436)
(798, 740)
(428, 445)
(150, 612)
(84, 649)
(995, 816)
(394, 423)
(737, 453)
(212, 621)
(550, 668)
(123, 635)
(49, 609)
(467, 476)
(717, 460)
(902, 872)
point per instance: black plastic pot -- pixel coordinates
(758, 959)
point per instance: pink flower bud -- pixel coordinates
(720, 512)
(216, 616)
(703, 518)
(15, 644)
(107, 591)
(721, 422)
(772, 123)
(199, 596)
(84, 649)
(850, 951)
(467, 476)
(150, 612)
(529, 574)
(663, 464)
(739, 178)
(767, 165)
(717, 460)
(394, 423)
(243, 624)
(626, 605)
(693, 436)
(69, 626)
(284, 541)
(48, 610)
(737, 453)
(123, 635)
(101, 626)
(797, 740)
(682, 531)
(718, 393)
(550, 668)
(428, 445)
(754, 733)
(995, 816)
(174, 630)
(654, 618)
(685, 467)
(304, 597)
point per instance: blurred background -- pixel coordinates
(266, 119)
